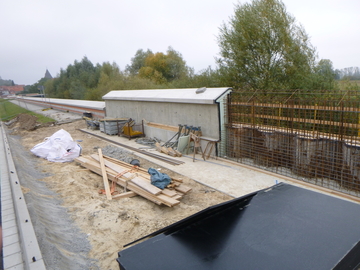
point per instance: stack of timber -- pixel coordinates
(167, 150)
(134, 180)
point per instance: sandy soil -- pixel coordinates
(78, 227)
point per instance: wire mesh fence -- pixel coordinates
(311, 137)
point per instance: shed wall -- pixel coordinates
(204, 115)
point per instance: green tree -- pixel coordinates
(138, 61)
(34, 88)
(177, 65)
(164, 68)
(324, 76)
(263, 48)
(75, 80)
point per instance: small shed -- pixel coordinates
(203, 107)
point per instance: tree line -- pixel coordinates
(147, 70)
(262, 47)
(350, 73)
(6, 82)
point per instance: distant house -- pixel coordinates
(6, 91)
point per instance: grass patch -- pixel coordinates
(9, 110)
(349, 84)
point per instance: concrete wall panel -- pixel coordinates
(204, 115)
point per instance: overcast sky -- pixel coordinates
(41, 34)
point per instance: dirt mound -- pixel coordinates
(27, 121)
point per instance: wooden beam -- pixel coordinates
(104, 175)
(128, 194)
(146, 185)
(294, 106)
(183, 189)
(299, 120)
(162, 126)
(168, 192)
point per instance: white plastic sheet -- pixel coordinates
(59, 147)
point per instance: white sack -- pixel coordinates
(60, 147)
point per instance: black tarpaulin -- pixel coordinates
(284, 227)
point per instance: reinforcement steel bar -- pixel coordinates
(313, 137)
(162, 158)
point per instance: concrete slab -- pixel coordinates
(12, 249)
(13, 260)
(11, 239)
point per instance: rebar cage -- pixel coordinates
(314, 137)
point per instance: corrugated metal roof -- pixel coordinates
(187, 95)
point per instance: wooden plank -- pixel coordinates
(182, 188)
(179, 154)
(104, 175)
(146, 185)
(168, 192)
(299, 120)
(162, 126)
(158, 147)
(177, 179)
(301, 133)
(115, 167)
(171, 152)
(128, 194)
(161, 149)
(169, 200)
(294, 106)
(177, 197)
(127, 165)
(164, 150)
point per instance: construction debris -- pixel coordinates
(162, 158)
(134, 179)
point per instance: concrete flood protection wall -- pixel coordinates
(170, 108)
(96, 108)
(302, 136)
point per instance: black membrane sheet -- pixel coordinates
(283, 227)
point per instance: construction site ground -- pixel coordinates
(78, 228)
